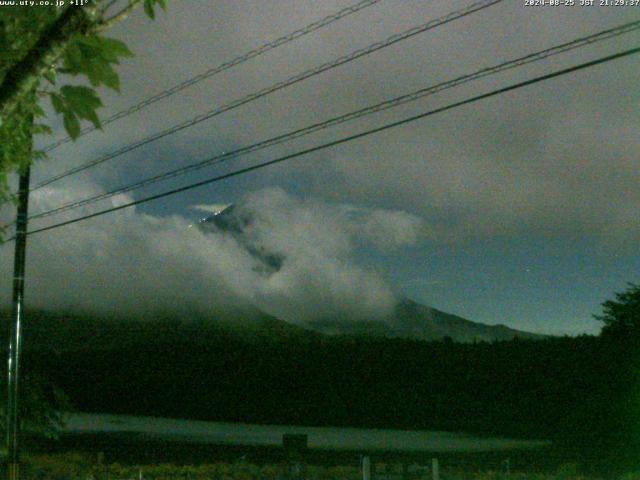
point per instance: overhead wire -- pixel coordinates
(385, 105)
(393, 39)
(343, 140)
(312, 27)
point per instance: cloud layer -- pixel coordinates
(554, 164)
(560, 158)
(131, 262)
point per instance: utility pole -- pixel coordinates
(13, 370)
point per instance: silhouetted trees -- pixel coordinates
(581, 392)
(621, 317)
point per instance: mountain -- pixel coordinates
(409, 319)
(69, 331)
(267, 371)
(65, 332)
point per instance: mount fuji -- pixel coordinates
(408, 319)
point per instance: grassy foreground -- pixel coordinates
(72, 466)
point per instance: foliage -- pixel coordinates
(74, 466)
(75, 102)
(94, 56)
(149, 7)
(24, 34)
(19, 31)
(84, 54)
(580, 392)
(621, 317)
(41, 406)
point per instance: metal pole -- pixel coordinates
(13, 372)
(366, 467)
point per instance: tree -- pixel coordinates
(38, 43)
(621, 317)
(41, 407)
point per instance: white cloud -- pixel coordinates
(134, 262)
(557, 159)
(210, 208)
(391, 229)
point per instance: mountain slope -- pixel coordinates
(411, 320)
(67, 331)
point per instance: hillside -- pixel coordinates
(411, 320)
(408, 319)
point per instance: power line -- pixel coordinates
(344, 139)
(278, 86)
(482, 4)
(224, 66)
(397, 101)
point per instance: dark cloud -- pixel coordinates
(556, 159)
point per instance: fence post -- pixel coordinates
(295, 447)
(366, 467)
(435, 469)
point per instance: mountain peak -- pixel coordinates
(408, 319)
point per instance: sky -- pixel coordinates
(520, 209)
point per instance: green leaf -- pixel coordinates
(71, 125)
(102, 72)
(89, 114)
(95, 56)
(82, 101)
(50, 76)
(97, 70)
(90, 41)
(162, 3)
(109, 77)
(39, 155)
(58, 103)
(116, 47)
(93, 74)
(38, 112)
(148, 9)
(79, 97)
(41, 129)
(93, 118)
(109, 49)
(90, 51)
(73, 58)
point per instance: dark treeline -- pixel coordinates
(582, 392)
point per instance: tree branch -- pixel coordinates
(24, 76)
(117, 17)
(110, 4)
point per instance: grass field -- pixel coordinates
(74, 466)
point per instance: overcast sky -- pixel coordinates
(521, 209)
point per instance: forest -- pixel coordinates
(579, 392)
